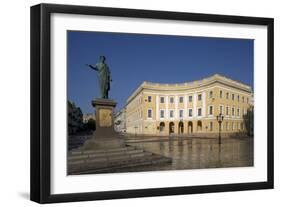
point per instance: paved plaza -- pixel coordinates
(195, 153)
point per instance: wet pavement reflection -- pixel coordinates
(197, 153)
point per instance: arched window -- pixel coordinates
(211, 126)
(162, 127)
(199, 126)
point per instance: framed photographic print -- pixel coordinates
(133, 103)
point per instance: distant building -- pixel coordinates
(120, 121)
(189, 108)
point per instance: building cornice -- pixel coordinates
(191, 85)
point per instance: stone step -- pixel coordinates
(75, 142)
(103, 151)
(114, 166)
(101, 155)
(106, 159)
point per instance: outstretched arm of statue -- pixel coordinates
(92, 67)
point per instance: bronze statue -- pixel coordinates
(103, 75)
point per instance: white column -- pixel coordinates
(176, 107)
(185, 113)
(157, 107)
(204, 104)
(194, 105)
(167, 107)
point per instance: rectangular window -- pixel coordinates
(181, 113)
(171, 100)
(238, 98)
(199, 113)
(190, 98)
(221, 109)
(233, 111)
(199, 97)
(171, 113)
(233, 97)
(243, 99)
(238, 112)
(162, 114)
(181, 99)
(149, 98)
(227, 95)
(210, 110)
(211, 94)
(220, 94)
(227, 110)
(149, 113)
(190, 112)
(162, 99)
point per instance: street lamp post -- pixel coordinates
(220, 119)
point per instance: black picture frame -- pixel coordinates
(41, 95)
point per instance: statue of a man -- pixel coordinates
(103, 76)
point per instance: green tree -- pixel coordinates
(75, 118)
(91, 124)
(249, 121)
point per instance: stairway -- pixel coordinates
(111, 160)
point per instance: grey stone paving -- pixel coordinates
(195, 153)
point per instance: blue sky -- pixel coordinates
(134, 58)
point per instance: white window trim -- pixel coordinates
(223, 112)
(170, 114)
(221, 94)
(227, 115)
(188, 113)
(182, 114)
(198, 113)
(210, 115)
(233, 107)
(160, 99)
(238, 115)
(160, 114)
(191, 98)
(182, 99)
(210, 93)
(151, 113)
(170, 99)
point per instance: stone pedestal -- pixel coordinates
(105, 136)
(104, 116)
(106, 151)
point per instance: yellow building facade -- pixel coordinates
(189, 108)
